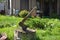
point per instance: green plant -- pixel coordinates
(23, 13)
(8, 21)
(51, 27)
(9, 31)
(54, 15)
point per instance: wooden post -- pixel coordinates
(30, 5)
(42, 8)
(6, 7)
(33, 4)
(50, 6)
(10, 7)
(58, 7)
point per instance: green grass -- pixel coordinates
(46, 35)
(9, 31)
(46, 29)
(8, 21)
(8, 24)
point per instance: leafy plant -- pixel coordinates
(46, 29)
(23, 13)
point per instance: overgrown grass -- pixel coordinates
(9, 31)
(46, 29)
(8, 24)
(8, 21)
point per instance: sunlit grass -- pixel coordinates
(51, 29)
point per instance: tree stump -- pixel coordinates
(22, 35)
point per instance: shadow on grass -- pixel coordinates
(57, 17)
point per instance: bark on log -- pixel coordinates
(22, 35)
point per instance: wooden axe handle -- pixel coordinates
(28, 15)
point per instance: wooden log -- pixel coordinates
(22, 35)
